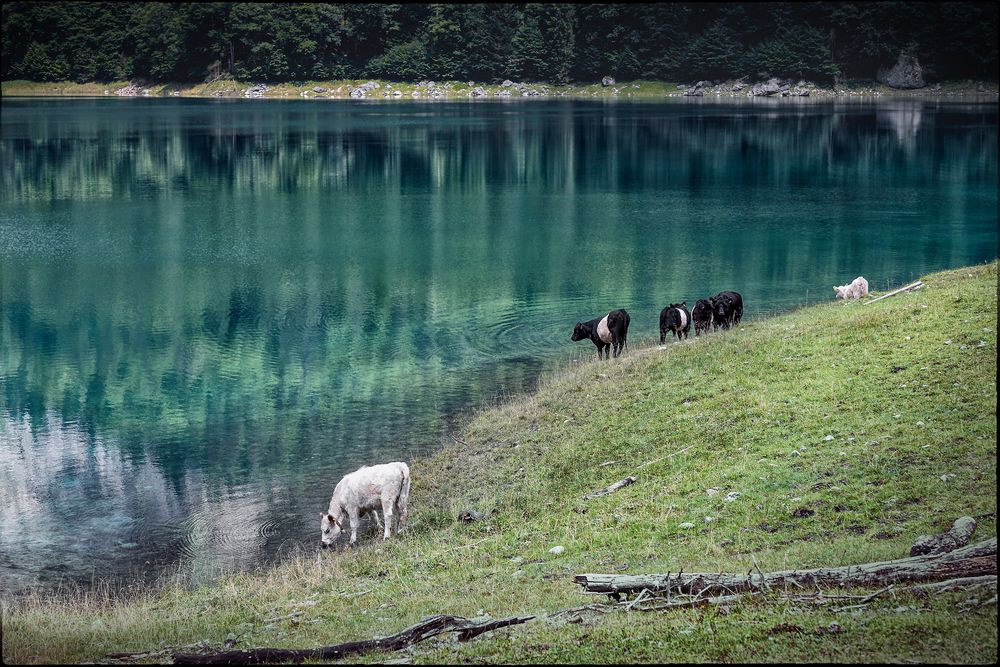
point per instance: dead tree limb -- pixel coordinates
(963, 584)
(425, 629)
(911, 286)
(687, 604)
(957, 536)
(974, 560)
(865, 600)
(610, 489)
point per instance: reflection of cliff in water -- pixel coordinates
(336, 146)
(904, 120)
(99, 512)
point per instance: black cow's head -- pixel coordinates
(719, 308)
(580, 331)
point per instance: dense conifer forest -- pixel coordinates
(558, 43)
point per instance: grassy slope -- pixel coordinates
(906, 387)
(458, 89)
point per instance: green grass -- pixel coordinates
(906, 388)
(20, 87)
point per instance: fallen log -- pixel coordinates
(957, 536)
(970, 561)
(425, 629)
(610, 489)
(911, 286)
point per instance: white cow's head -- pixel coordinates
(331, 526)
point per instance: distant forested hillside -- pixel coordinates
(558, 43)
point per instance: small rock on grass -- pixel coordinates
(557, 550)
(784, 627)
(686, 524)
(832, 629)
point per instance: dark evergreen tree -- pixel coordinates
(714, 54)
(528, 48)
(403, 62)
(38, 65)
(489, 30)
(556, 22)
(446, 41)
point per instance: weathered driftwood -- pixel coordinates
(970, 561)
(958, 536)
(960, 584)
(911, 286)
(425, 629)
(610, 489)
(688, 603)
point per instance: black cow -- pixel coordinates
(727, 309)
(702, 316)
(609, 331)
(676, 319)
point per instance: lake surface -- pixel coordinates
(211, 310)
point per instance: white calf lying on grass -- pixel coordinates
(367, 489)
(855, 290)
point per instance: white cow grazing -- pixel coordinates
(367, 489)
(855, 290)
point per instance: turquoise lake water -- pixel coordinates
(211, 310)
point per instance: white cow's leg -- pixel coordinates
(401, 520)
(353, 515)
(378, 521)
(387, 513)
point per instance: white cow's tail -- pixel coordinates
(403, 500)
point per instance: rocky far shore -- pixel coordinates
(890, 83)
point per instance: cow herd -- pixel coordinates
(386, 487)
(609, 333)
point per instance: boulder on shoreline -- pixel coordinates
(608, 81)
(905, 74)
(769, 87)
(698, 89)
(133, 89)
(361, 91)
(257, 90)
